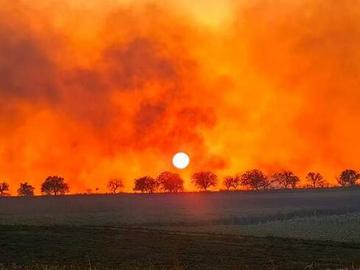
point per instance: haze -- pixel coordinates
(91, 90)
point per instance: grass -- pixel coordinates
(66, 247)
(238, 230)
(342, 228)
(311, 214)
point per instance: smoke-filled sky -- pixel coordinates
(92, 90)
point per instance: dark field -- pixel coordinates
(120, 248)
(243, 230)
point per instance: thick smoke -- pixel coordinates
(123, 114)
(114, 90)
(307, 51)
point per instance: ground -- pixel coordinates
(309, 229)
(134, 248)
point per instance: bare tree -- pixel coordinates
(232, 182)
(145, 184)
(115, 185)
(25, 190)
(286, 179)
(254, 179)
(54, 185)
(170, 182)
(348, 178)
(315, 180)
(4, 188)
(204, 180)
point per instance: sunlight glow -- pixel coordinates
(181, 160)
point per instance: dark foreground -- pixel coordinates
(65, 247)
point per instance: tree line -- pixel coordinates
(250, 180)
(53, 185)
(204, 180)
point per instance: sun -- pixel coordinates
(181, 160)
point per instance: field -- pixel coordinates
(302, 229)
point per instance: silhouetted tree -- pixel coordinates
(254, 179)
(4, 188)
(115, 185)
(170, 182)
(145, 184)
(54, 185)
(204, 180)
(232, 182)
(315, 180)
(285, 179)
(25, 189)
(348, 178)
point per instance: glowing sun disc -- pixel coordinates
(181, 160)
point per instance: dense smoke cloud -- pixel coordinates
(114, 90)
(308, 53)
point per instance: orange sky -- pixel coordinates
(92, 90)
